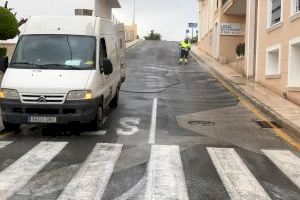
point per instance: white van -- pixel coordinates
(64, 70)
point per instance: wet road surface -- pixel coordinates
(176, 134)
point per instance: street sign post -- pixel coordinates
(193, 25)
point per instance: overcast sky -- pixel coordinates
(168, 17)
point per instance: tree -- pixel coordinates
(153, 36)
(9, 26)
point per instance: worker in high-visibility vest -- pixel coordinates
(184, 52)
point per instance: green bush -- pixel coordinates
(153, 36)
(3, 52)
(8, 24)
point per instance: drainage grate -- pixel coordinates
(202, 123)
(266, 124)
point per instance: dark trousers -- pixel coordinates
(184, 54)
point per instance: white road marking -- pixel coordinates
(236, 177)
(287, 162)
(104, 120)
(4, 143)
(153, 122)
(127, 127)
(20, 172)
(94, 133)
(165, 178)
(92, 178)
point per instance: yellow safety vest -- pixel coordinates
(185, 45)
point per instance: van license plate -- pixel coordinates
(50, 120)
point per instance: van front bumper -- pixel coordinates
(80, 111)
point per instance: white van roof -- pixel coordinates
(72, 25)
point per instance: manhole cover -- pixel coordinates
(202, 123)
(266, 124)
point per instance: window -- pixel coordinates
(275, 11)
(102, 53)
(295, 6)
(273, 61)
(62, 52)
(294, 63)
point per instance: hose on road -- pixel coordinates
(153, 92)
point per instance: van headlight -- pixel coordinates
(80, 95)
(9, 94)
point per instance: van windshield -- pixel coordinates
(66, 52)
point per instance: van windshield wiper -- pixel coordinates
(62, 65)
(29, 63)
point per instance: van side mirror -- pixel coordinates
(107, 67)
(3, 63)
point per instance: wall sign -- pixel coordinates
(232, 29)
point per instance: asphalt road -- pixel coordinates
(176, 134)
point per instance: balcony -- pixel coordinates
(234, 7)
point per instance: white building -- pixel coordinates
(101, 8)
(25, 9)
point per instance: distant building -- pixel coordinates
(270, 30)
(131, 33)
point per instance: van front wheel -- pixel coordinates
(114, 102)
(97, 122)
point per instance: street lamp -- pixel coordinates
(133, 21)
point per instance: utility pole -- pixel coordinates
(133, 21)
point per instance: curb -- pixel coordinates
(278, 118)
(133, 45)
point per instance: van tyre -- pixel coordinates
(97, 122)
(11, 127)
(115, 101)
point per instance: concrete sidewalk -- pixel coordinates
(282, 111)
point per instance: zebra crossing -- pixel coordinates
(165, 178)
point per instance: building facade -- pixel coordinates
(131, 32)
(269, 30)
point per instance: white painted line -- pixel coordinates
(4, 143)
(92, 178)
(94, 133)
(236, 177)
(153, 122)
(165, 179)
(20, 172)
(128, 126)
(104, 120)
(287, 162)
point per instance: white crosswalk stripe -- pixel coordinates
(92, 178)
(165, 178)
(21, 171)
(4, 143)
(287, 162)
(236, 177)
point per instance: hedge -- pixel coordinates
(8, 24)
